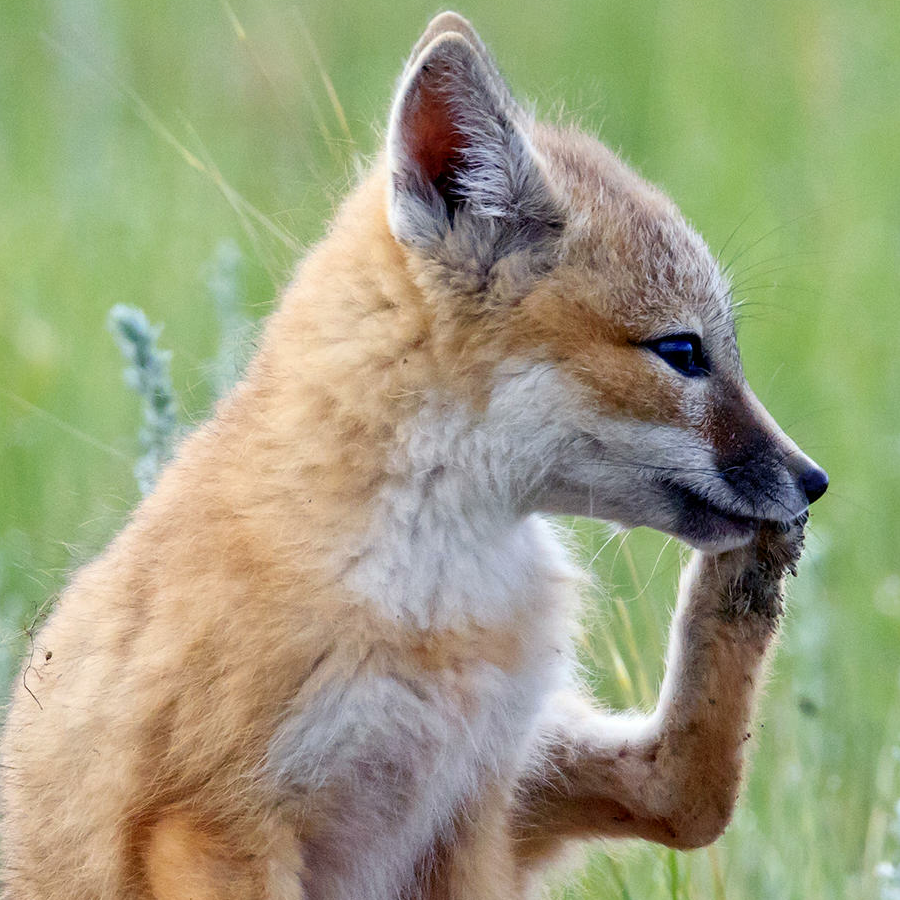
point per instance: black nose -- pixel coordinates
(814, 482)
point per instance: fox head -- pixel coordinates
(559, 274)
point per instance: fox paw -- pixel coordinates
(756, 585)
(779, 545)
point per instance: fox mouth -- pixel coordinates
(702, 522)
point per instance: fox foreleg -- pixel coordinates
(671, 777)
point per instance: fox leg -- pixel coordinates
(183, 861)
(671, 777)
(477, 862)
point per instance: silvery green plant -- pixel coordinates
(147, 373)
(888, 872)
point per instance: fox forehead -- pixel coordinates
(626, 244)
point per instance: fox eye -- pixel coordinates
(683, 352)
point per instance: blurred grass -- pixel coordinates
(778, 119)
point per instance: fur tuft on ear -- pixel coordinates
(458, 149)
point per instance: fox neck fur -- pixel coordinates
(416, 475)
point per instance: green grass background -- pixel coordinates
(134, 138)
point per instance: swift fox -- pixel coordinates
(331, 655)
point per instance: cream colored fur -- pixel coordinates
(331, 655)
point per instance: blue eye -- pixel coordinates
(683, 352)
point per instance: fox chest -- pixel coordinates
(380, 767)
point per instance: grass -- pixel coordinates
(136, 139)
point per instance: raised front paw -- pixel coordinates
(779, 545)
(754, 574)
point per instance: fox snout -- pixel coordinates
(761, 463)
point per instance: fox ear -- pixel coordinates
(458, 153)
(453, 23)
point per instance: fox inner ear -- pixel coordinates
(457, 154)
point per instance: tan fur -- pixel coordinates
(142, 749)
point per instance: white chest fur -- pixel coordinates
(396, 761)
(398, 756)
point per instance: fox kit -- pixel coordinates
(331, 655)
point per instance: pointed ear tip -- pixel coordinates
(448, 20)
(443, 25)
(448, 45)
